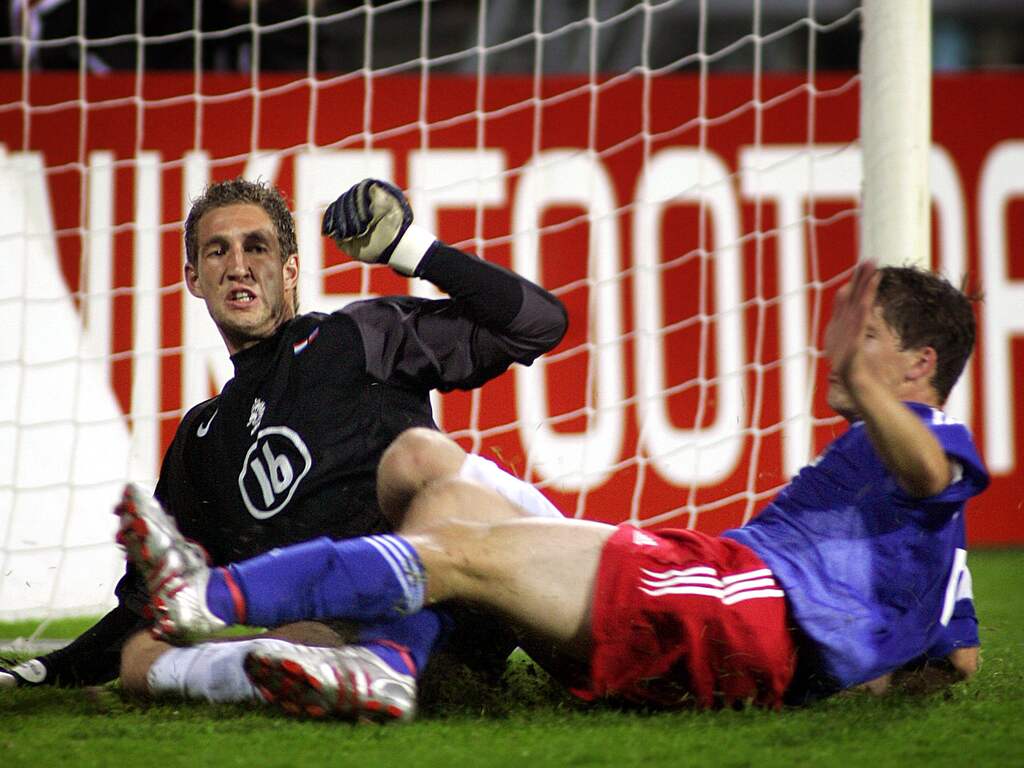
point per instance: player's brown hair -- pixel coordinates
(234, 192)
(925, 310)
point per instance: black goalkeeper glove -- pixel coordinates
(14, 674)
(372, 223)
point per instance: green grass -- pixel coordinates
(529, 723)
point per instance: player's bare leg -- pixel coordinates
(539, 573)
(138, 654)
(416, 458)
(421, 457)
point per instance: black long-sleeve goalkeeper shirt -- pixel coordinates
(289, 449)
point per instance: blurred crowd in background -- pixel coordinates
(493, 36)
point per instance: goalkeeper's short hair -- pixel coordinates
(234, 192)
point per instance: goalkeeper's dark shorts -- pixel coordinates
(681, 618)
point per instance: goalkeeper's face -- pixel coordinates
(241, 274)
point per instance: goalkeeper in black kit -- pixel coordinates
(289, 450)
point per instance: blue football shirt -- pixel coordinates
(874, 577)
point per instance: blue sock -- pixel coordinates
(222, 596)
(370, 579)
(406, 644)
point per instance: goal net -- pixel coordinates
(683, 175)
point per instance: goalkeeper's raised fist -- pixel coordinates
(372, 223)
(13, 674)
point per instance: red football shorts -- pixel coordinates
(681, 618)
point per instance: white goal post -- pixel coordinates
(694, 207)
(895, 131)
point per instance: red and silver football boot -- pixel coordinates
(350, 682)
(175, 569)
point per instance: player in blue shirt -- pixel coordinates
(855, 569)
(868, 541)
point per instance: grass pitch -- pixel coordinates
(528, 722)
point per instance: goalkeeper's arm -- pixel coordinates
(373, 223)
(93, 658)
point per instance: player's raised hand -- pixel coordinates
(851, 311)
(372, 223)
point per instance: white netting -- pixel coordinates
(681, 174)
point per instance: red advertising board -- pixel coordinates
(608, 144)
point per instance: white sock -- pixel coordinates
(517, 491)
(209, 671)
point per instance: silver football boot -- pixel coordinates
(349, 682)
(175, 569)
